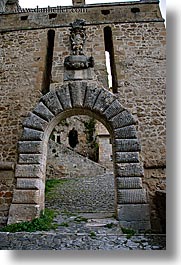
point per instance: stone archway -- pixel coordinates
(73, 99)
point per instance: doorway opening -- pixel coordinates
(83, 173)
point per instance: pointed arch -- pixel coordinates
(73, 99)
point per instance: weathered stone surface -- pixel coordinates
(63, 95)
(35, 122)
(77, 92)
(104, 100)
(133, 212)
(92, 93)
(129, 170)
(24, 183)
(30, 147)
(42, 111)
(7, 165)
(127, 157)
(114, 109)
(31, 135)
(140, 70)
(83, 74)
(128, 132)
(129, 183)
(30, 159)
(133, 196)
(26, 196)
(122, 119)
(126, 145)
(52, 102)
(29, 171)
(23, 212)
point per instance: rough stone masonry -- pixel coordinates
(33, 46)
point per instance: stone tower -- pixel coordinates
(53, 66)
(8, 5)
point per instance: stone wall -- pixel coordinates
(139, 49)
(65, 162)
(7, 182)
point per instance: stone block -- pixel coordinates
(77, 92)
(127, 157)
(7, 176)
(29, 171)
(30, 159)
(129, 183)
(35, 122)
(52, 102)
(30, 147)
(42, 111)
(129, 170)
(126, 145)
(83, 74)
(63, 95)
(23, 212)
(122, 119)
(4, 165)
(132, 196)
(26, 196)
(31, 135)
(139, 226)
(104, 100)
(128, 132)
(92, 93)
(135, 216)
(33, 184)
(114, 109)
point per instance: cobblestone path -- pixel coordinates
(85, 209)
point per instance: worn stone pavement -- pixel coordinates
(85, 221)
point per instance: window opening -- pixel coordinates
(110, 62)
(48, 63)
(53, 15)
(73, 138)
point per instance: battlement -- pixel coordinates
(94, 14)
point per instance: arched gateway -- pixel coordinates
(78, 98)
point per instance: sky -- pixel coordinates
(52, 3)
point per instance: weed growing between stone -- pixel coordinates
(43, 223)
(128, 231)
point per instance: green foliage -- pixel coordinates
(52, 183)
(128, 231)
(90, 129)
(92, 234)
(110, 225)
(80, 219)
(43, 223)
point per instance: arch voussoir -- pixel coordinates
(77, 93)
(42, 111)
(52, 102)
(122, 119)
(64, 97)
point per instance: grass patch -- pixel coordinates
(92, 234)
(128, 231)
(43, 223)
(52, 183)
(80, 219)
(110, 225)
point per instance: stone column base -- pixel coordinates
(134, 216)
